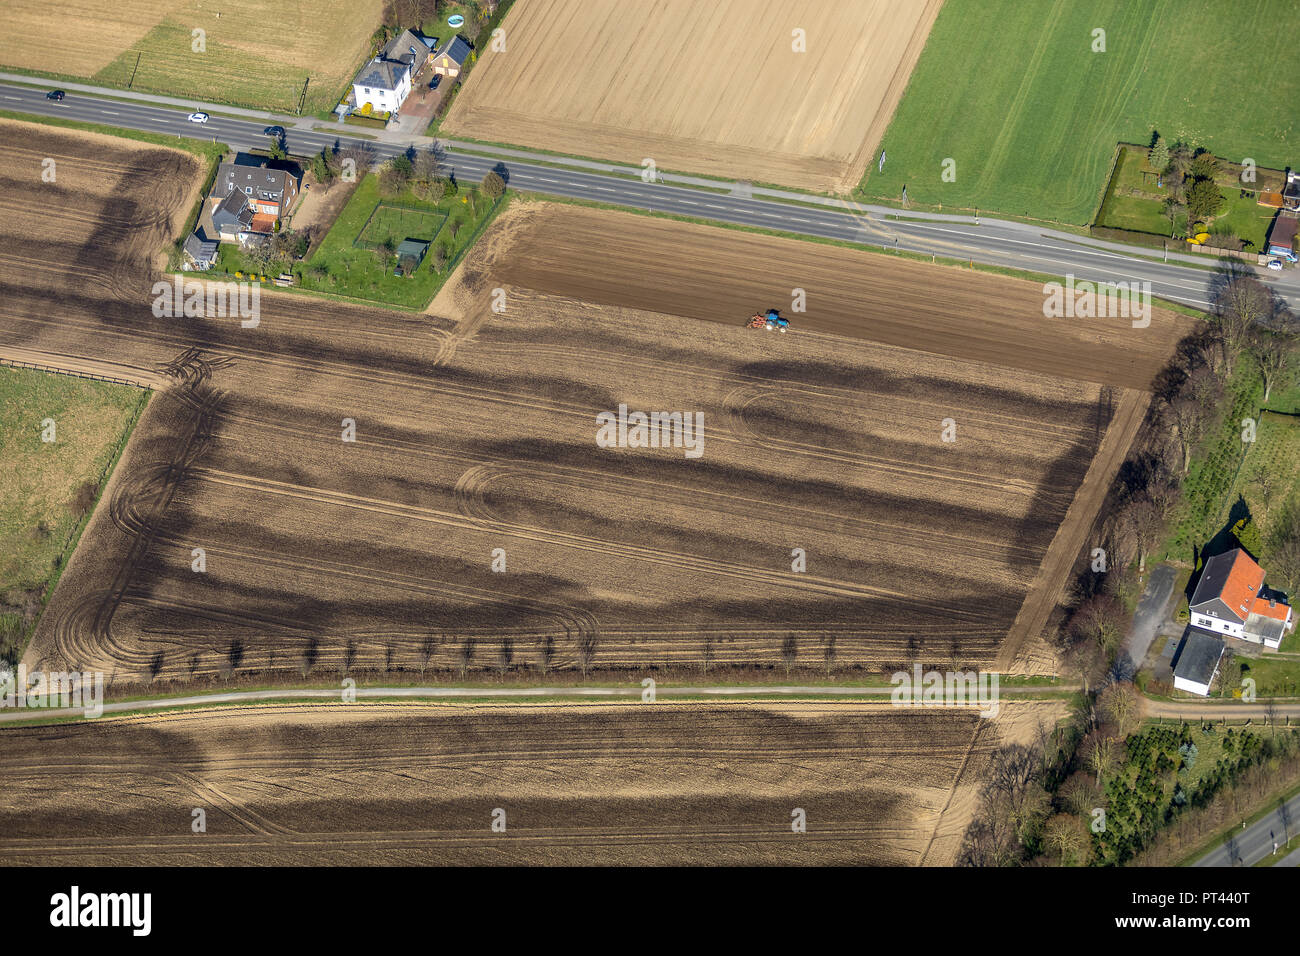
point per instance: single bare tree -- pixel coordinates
(1273, 352)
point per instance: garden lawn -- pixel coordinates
(338, 267)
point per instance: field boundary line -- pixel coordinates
(1047, 585)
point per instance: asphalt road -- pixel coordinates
(992, 242)
(1247, 847)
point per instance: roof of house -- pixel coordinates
(200, 249)
(406, 51)
(234, 210)
(1232, 587)
(1198, 658)
(457, 50)
(380, 75)
(1265, 628)
(1229, 584)
(252, 171)
(1284, 230)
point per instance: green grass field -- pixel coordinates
(43, 501)
(394, 223)
(1011, 90)
(1276, 453)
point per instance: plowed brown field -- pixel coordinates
(476, 432)
(579, 784)
(719, 88)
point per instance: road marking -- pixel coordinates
(688, 202)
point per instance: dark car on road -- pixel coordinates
(55, 95)
(273, 131)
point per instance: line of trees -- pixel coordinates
(1036, 799)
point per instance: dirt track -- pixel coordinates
(713, 88)
(579, 784)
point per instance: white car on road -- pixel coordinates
(198, 117)
(1275, 265)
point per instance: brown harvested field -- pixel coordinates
(714, 88)
(476, 432)
(380, 784)
(257, 52)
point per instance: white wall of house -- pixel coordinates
(1192, 687)
(1218, 625)
(383, 100)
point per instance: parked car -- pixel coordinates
(1275, 265)
(198, 117)
(273, 131)
(433, 83)
(56, 95)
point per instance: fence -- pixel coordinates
(37, 367)
(419, 212)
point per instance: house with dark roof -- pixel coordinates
(233, 218)
(386, 80)
(269, 190)
(1197, 662)
(1230, 598)
(450, 59)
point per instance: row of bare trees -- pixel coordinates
(1036, 799)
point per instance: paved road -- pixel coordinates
(988, 241)
(1247, 847)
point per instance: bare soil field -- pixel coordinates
(475, 442)
(715, 88)
(381, 784)
(256, 52)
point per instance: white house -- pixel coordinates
(385, 82)
(1231, 599)
(1198, 662)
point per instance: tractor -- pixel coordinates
(769, 320)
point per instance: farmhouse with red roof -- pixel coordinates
(1231, 599)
